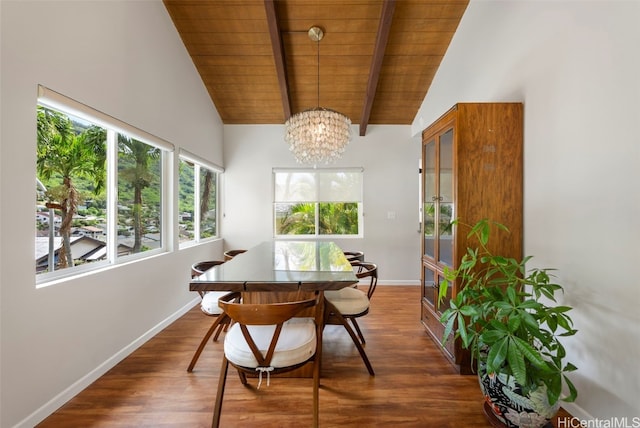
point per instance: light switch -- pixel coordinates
(391, 215)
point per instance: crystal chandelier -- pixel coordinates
(317, 135)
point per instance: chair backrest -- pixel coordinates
(229, 254)
(198, 268)
(354, 256)
(246, 314)
(368, 270)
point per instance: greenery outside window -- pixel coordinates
(318, 202)
(139, 196)
(198, 199)
(102, 193)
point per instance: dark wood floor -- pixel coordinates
(414, 385)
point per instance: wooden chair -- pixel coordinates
(229, 254)
(209, 306)
(350, 303)
(267, 339)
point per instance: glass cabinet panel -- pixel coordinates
(446, 301)
(428, 287)
(430, 198)
(446, 209)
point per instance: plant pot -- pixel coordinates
(505, 401)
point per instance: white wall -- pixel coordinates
(125, 59)
(389, 156)
(576, 67)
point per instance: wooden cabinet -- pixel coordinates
(471, 169)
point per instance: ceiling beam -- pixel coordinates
(278, 56)
(376, 64)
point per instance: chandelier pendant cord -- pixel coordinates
(318, 65)
(317, 135)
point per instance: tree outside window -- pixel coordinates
(198, 211)
(139, 194)
(84, 216)
(71, 157)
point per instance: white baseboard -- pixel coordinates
(56, 402)
(395, 282)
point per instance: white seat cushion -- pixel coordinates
(297, 343)
(209, 304)
(349, 301)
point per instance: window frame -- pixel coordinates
(198, 164)
(316, 203)
(55, 101)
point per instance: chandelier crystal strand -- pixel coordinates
(317, 135)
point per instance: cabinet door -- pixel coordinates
(429, 199)
(446, 206)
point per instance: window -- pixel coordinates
(102, 192)
(314, 203)
(198, 200)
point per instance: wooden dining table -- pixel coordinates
(281, 266)
(278, 270)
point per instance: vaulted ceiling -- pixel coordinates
(375, 64)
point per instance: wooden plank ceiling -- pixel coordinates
(377, 58)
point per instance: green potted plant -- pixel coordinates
(510, 321)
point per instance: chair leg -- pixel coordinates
(222, 326)
(336, 313)
(359, 347)
(316, 393)
(217, 408)
(243, 377)
(219, 320)
(357, 327)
